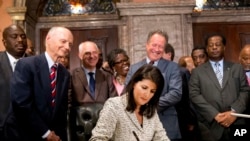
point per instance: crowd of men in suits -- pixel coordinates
(33, 106)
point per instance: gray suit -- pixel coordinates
(171, 94)
(209, 98)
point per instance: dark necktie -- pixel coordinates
(53, 84)
(151, 62)
(92, 84)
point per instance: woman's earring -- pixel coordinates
(115, 73)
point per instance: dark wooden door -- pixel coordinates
(105, 37)
(237, 35)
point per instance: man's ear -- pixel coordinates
(80, 56)
(4, 42)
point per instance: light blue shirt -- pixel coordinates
(220, 66)
(155, 62)
(50, 61)
(87, 73)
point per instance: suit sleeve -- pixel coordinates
(172, 92)
(106, 123)
(23, 99)
(160, 132)
(112, 90)
(129, 75)
(240, 104)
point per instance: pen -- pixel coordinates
(135, 136)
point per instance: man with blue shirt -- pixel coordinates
(218, 88)
(172, 91)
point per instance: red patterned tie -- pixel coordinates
(53, 84)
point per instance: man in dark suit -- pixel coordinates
(37, 112)
(87, 91)
(15, 43)
(172, 92)
(218, 88)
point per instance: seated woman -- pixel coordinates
(133, 116)
(118, 61)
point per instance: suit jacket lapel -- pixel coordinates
(6, 66)
(43, 77)
(59, 86)
(143, 62)
(211, 74)
(162, 65)
(131, 116)
(226, 73)
(98, 80)
(84, 81)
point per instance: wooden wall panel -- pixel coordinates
(105, 37)
(237, 35)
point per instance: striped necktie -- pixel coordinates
(218, 72)
(53, 84)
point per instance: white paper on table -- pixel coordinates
(240, 115)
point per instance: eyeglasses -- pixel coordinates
(122, 61)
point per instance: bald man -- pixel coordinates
(82, 91)
(104, 88)
(245, 57)
(39, 106)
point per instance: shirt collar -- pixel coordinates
(11, 58)
(155, 62)
(49, 60)
(213, 62)
(87, 70)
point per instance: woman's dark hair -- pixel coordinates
(112, 56)
(151, 73)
